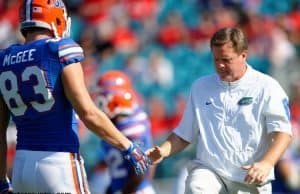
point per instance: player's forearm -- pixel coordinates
(172, 145)
(280, 142)
(100, 124)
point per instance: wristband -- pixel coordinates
(128, 150)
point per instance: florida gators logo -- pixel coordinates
(245, 101)
(59, 3)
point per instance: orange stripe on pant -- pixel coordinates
(84, 179)
(74, 173)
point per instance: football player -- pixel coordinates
(41, 88)
(118, 79)
(117, 98)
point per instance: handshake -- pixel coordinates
(137, 158)
(142, 160)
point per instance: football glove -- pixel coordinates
(137, 158)
(5, 186)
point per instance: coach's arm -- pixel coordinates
(93, 118)
(172, 145)
(258, 171)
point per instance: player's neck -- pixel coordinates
(37, 36)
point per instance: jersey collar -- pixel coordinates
(239, 82)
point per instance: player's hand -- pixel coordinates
(257, 172)
(137, 158)
(155, 154)
(5, 186)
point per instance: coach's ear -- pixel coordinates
(244, 55)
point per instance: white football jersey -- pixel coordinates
(232, 121)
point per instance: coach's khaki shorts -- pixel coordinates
(202, 180)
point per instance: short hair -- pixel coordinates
(233, 35)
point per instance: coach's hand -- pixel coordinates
(257, 172)
(5, 186)
(155, 154)
(137, 158)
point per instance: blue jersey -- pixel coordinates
(279, 184)
(31, 86)
(137, 128)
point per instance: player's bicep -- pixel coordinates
(75, 89)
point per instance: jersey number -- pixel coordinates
(12, 92)
(115, 161)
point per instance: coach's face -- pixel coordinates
(229, 65)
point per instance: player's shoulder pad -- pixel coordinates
(67, 49)
(53, 44)
(56, 43)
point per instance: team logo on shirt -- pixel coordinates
(245, 101)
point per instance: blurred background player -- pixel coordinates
(118, 99)
(41, 84)
(114, 79)
(287, 170)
